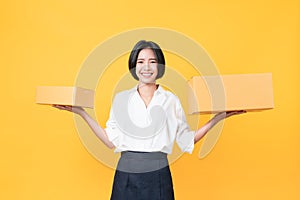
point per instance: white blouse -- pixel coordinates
(134, 127)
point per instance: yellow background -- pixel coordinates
(45, 42)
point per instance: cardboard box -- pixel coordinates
(64, 95)
(212, 94)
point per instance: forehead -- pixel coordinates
(146, 53)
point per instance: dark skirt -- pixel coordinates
(143, 176)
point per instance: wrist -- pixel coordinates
(216, 119)
(82, 113)
(220, 116)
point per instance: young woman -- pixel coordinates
(143, 171)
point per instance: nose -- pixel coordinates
(146, 67)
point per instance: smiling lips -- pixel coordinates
(146, 74)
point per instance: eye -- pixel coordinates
(139, 62)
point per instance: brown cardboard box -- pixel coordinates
(212, 94)
(64, 95)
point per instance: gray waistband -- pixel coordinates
(143, 155)
(141, 162)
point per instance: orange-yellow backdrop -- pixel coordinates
(45, 42)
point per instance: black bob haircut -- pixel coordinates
(143, 44)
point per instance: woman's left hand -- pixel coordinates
(226, 114)
(211, 123)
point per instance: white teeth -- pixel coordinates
(146, 74)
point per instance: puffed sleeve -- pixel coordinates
(184, 136)
(112, 129)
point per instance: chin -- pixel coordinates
(147, 81)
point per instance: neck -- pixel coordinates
(147, 89)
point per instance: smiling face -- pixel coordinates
(146, 66)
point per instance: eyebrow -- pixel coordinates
(144, 59)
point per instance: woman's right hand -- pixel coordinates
(75, 109)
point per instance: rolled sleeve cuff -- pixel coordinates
(187, 143)
(113, 135)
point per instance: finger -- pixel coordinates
(236, 112)
(57, 106)
(240, 112)
(63, 107)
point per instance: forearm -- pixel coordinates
(211, 123)
(200, 133)
(97, 129)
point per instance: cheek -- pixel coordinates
(137, 68)
(155, 69)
